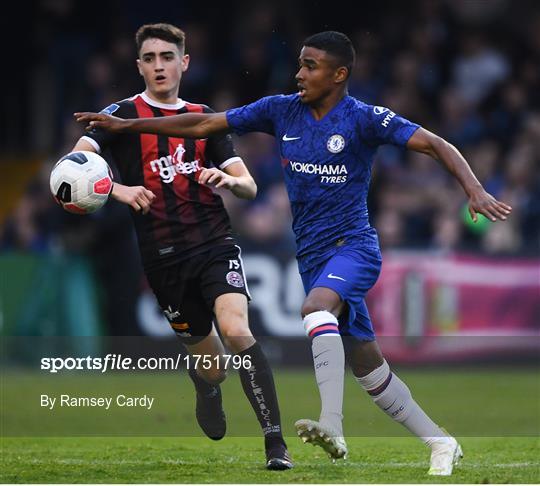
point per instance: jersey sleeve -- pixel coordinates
(101, 139)
(220, 149)
(256, 117)
(380, 125)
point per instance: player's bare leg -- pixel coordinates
(256, 377)
(320, 309)
(212, 346)
(394, 398)
(209, 408)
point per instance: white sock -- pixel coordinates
(394, 398)
(329, 363)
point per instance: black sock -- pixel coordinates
(201, 386)
(258, 384)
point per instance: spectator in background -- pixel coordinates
(460, 123)
(478, 68)
(402, 91)
(200, 80)
(485, 160)
(446, 232)
(367, 78)
(505, 120)
(390, 226)
(24, 230)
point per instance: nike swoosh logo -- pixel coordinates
(331, 275)
(288, 139)
(390, 405)
(322, 352)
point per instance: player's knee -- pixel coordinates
(235, 327)
(237, 337)
(320, 303)
(310, 306)
(233, 324)
(213, 376)
(322, 299)
(232, 319)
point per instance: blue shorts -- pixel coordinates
(351, 272)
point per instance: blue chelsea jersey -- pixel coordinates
(327, 166)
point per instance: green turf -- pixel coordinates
(240, 460)
(496, 423)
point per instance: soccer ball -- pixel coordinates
(81, 182)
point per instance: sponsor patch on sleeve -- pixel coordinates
(110, 109)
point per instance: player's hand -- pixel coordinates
(138, 197)
(484, 203)
(100, 120)
(217, 178)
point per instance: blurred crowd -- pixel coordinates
(468, 70)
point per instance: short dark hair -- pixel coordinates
(338, 45)
(165, 32)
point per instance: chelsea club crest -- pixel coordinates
(335, 144)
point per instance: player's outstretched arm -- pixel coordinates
(187, 125)
(479, 200)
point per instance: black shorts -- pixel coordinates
(186, 291)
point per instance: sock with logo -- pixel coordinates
(329, 363)
(395, 399)
(258, 384)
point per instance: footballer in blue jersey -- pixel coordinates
(327, 166)
(327, 141)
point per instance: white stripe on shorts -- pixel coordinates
(243, 271)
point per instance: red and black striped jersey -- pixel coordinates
(186, 218)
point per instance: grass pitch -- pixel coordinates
(241, 460)
(494, 420)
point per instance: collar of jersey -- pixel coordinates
(176, 106)
(335, 108)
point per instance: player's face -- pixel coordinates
(161, 65)
(318, 75)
